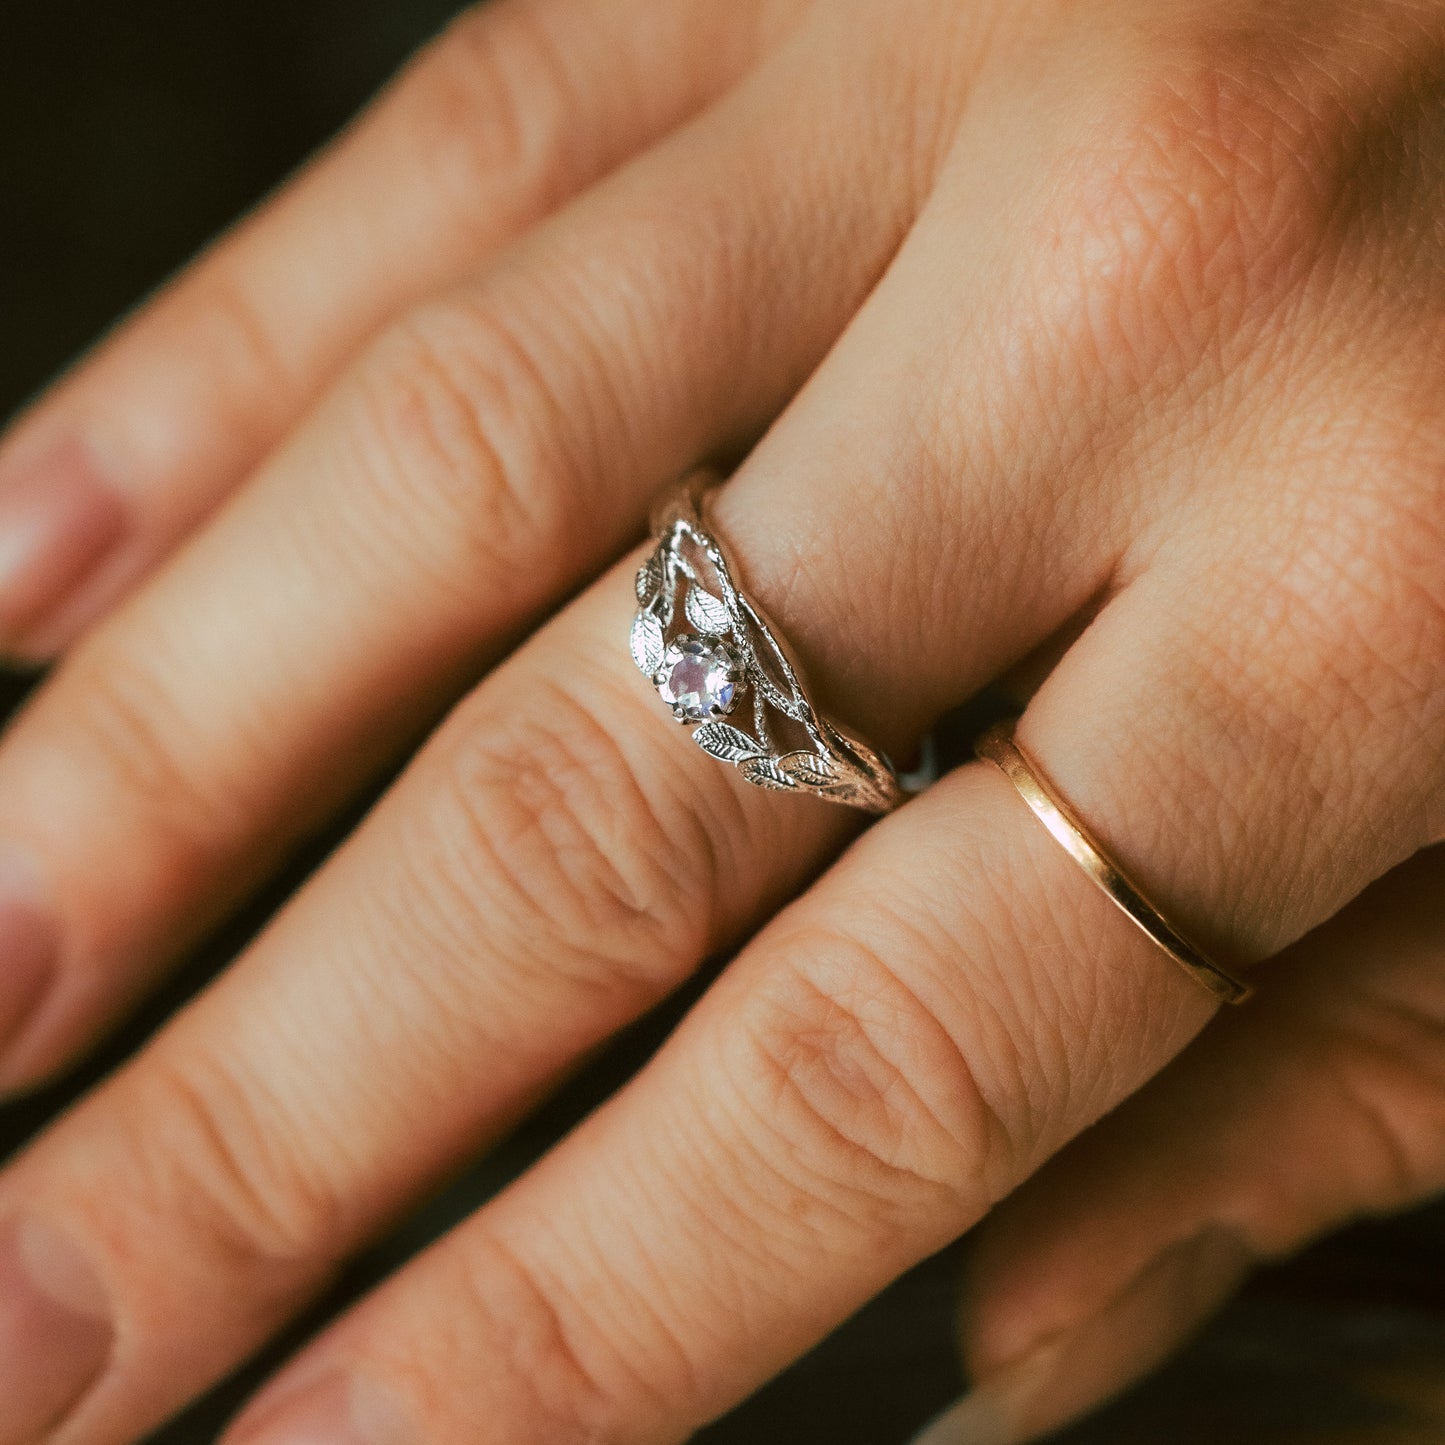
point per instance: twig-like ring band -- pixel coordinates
(998, 747)
(721, 667)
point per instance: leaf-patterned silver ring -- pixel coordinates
(720, 666)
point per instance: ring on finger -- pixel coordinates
(722, 668)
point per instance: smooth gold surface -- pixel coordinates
(998, 747)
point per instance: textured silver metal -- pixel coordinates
(688, 589)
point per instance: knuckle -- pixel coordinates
(225, 322)
(557, 823)
(848, 1063)
(1248, 162)
(1204, 200)
(1384, 1075)
(556, 1357)
(462, 440)
(233, 1167)
(127, 721)
(488, 108)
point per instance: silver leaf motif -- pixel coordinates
(649, 580)
(767, 774)
(706, 613)
(808, 770)
(647, 643)
(730, 744)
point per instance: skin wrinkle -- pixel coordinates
(1015, 1001)
(229, 1232)
(1012, 995)
(1161, 214)
(649, 1292)
(690, 1349)
(261, 1201)
(1062, 411)
(498, 105)
(1076, 1084)
(501, 88)
(646, 900)
(985, 1002)
(1387, 1168)
(258, 358)
(546, 1357)
(1409, 1033)
(1027, 1007)
(126, 735)
(824, 1059)
(1278, 1211)
(802, 1204)
(808, 1201)
(1413, 1166)
(918, 106)
(925, 939)
(458, 1008)
(455, 409)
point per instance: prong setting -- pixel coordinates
(701, 677)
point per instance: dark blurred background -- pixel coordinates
(131, 132)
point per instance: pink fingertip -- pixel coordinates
(59, 520)
(335, 1409)
(55, 1331)
(29, 948)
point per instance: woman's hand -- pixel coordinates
(1099, 345)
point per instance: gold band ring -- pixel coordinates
(998, 747)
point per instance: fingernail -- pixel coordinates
(1078, 1369)
(55, 1330)
(58, 519)
(337, 1410)
(29, 946)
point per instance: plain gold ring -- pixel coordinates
(998, 747)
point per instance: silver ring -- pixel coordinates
(721, 668)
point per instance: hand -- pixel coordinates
(1090, 348)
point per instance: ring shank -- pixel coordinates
(997, 746)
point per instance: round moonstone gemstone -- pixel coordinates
(699, 677)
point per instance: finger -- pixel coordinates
(517, 107)
(486, 455)
(1321, 1104)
